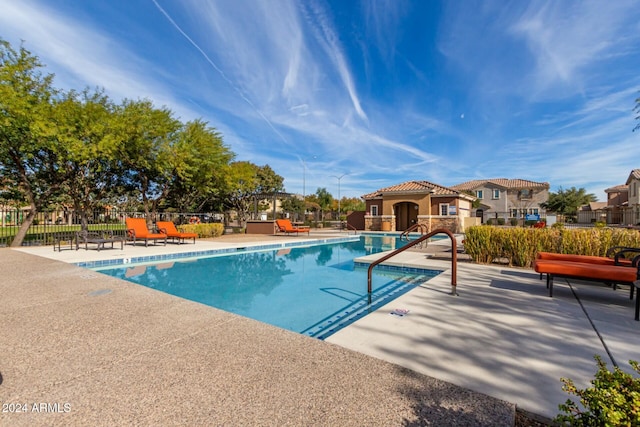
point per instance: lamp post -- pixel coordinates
(339, 178)
(304, 187)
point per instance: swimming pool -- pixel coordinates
(314, 289)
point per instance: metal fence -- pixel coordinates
(47, 225)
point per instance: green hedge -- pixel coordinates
(519, 246)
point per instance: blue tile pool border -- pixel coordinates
(402, 269)
(211, 252)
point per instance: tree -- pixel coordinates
(353, 204)
(637, 111)
(567, 202)
(83, 126)
(269, 182)
(324, 199)
(200, 161)
(293, 205)
(245, 181)
(142, 142)
(28, 152)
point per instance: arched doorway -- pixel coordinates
(406, 215)
(480, 214)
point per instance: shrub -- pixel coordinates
(482, 244)
(600, 224)
(501, 221)
(489, 221)
(519, 246)
(203, 230)
(513, 221)
(614, 399)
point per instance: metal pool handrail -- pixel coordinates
(454, 258)
(414, 227)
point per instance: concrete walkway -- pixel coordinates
(82, 348)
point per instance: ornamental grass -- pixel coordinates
(518, 246)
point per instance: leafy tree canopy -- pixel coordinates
(568, 201)
(637, 111)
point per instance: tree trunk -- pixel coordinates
(24, 227)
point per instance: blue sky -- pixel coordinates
(380, 91)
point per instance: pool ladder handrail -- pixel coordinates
(405, 234)
(349, 226)
(454, 258)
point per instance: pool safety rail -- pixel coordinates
(414, 227)
(454, 258)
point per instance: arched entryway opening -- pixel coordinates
(480, 214)
(406, 215)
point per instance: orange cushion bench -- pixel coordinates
(617, 260)
(614, 274)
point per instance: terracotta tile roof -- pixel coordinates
(594, 206)
(511, 184)
(635, 174)
(412, 187)
(617, 188)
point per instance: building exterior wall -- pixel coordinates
(422, 200)
(375, 223)
(489, 199)
(632, 214)
(499, 202)
(531, 204)
(374, 202)
(449, 222)
(617, 198)
(634, 192)
(403, 210)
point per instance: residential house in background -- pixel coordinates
(617, 203)
(506, 198)
(591, 213)
(632, 212)
(401, 206)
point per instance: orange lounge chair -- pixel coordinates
(613, 274)
(169, 228)
(137, 230)
(285, 226)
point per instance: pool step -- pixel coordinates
(360, 307)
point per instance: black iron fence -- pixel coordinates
(47, 225)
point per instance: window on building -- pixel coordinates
(374, 210)
(479, 194)
(496, 194)
(525, 194)
(535, 211)
(444, 209)
(514, 213)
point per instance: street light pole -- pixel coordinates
(304, 187)
(339, 178)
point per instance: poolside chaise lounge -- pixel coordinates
(610, 274)
(169, 228)
(285, 226)
(137, 230)
(98, 238)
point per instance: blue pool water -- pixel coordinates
(314, 290)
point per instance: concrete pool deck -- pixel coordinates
(96, 350)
